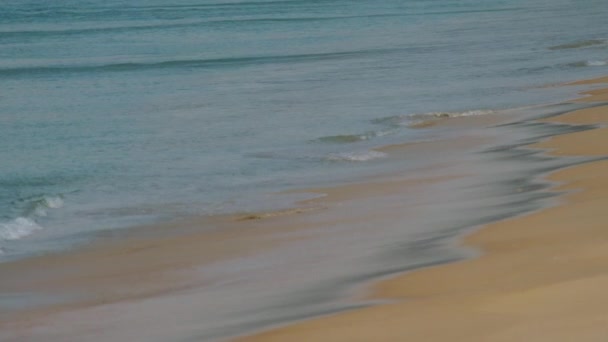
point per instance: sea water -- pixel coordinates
(118, 113)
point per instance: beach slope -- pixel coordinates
(542, 276)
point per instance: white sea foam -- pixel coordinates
(26, 224)
(476, 112)
(590, 63)
(18, 228)
(422, 120)
(596, 63)
(47, 202)
(357, 156)
(53, 202)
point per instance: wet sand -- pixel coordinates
(208, 278)
(542, 276)
(133, 284)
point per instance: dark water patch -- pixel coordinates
(580, 44)
(344, 139)
(67, 31)
(351, 138)
(208, 9)
(537, 69)
(202, 15)
(420, 119)
(54, 10)
(473, 11)
(193, 63)
(169, 24)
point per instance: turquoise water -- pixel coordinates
(119, 113)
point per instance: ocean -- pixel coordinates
(115, 114)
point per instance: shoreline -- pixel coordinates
(424, 292)
(265, 236)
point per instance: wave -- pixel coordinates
(54, 10)
(26, 224)
(169, 24)
(344, 139)
(95, 12)
(18, 228)
(49, 32)
(597, 63)
(351, 138)
(40, 206)
(356, 156)
(188, 63)
(423, 119)
(54, 31)
(580, 44)
(588, 63)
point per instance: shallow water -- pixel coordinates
(318, 259)
(118, 113)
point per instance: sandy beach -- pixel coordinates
(259, 170)
(539, 276)
(542, 277)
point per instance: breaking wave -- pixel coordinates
(588, 63)
(38, 206)
(597, 63)
(18, 228)
(32, 209)
(424, 119)
(356, 156)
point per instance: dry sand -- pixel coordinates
(542, 277)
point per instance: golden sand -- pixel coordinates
(542, 277)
